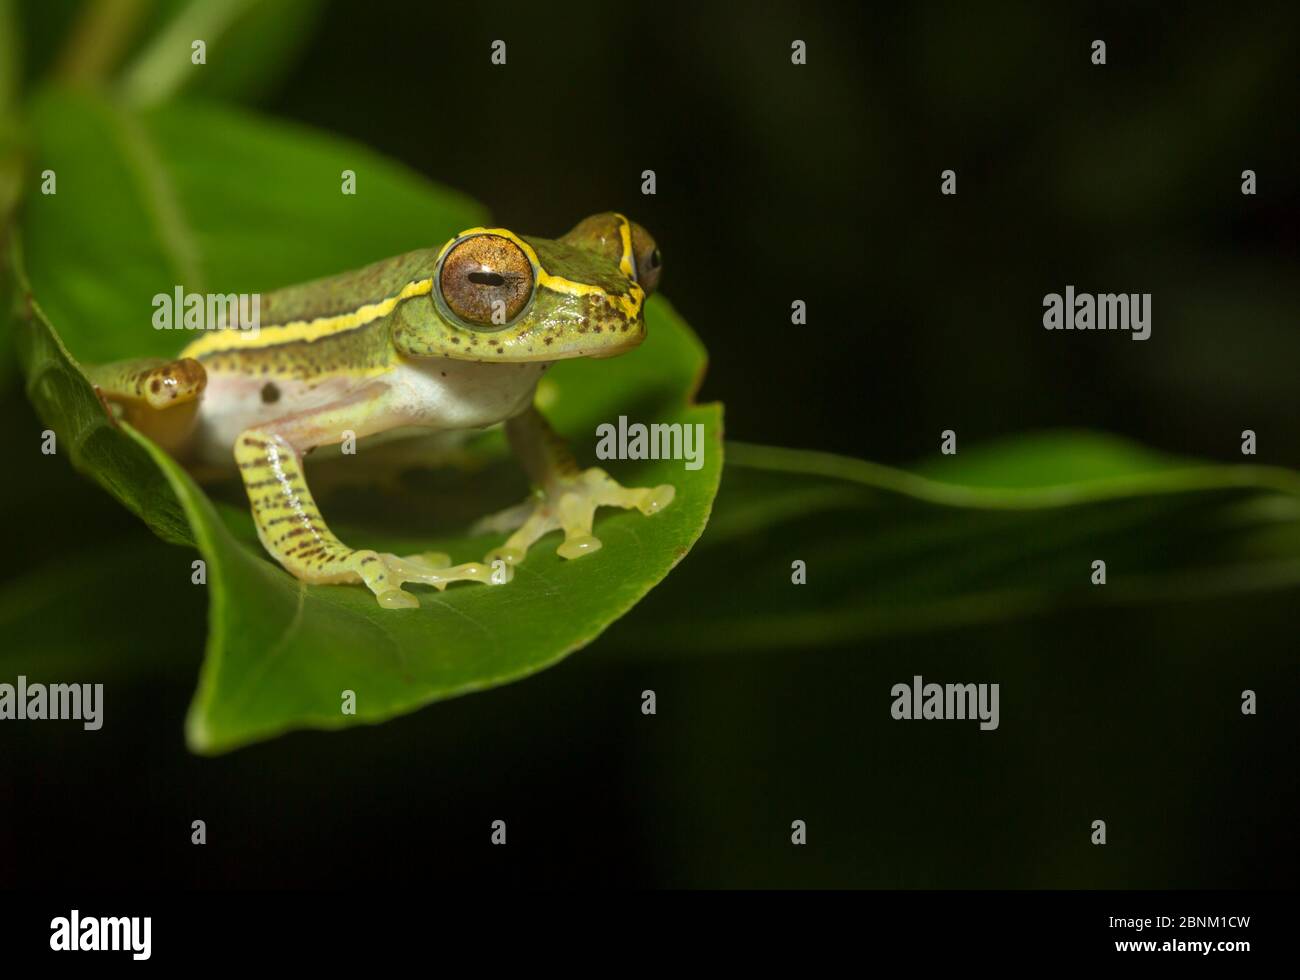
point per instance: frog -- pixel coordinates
(447, 339)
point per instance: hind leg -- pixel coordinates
(292, 530)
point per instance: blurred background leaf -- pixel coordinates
(144, 47)
(998, 532)
(171, 201)
(250, 45)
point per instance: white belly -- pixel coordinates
(419, 394)
(443, 394)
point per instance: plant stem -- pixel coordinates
(97, 41)
(1174, 480)
(164, 66)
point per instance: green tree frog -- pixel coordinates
(435, 339)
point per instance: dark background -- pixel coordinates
(820, 183)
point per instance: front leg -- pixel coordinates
(291, 528)
(566, 497)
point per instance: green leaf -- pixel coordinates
(250, 44)
(203, 197)
(208, 198)
(65, 401)
(144, 47)
(996, 532)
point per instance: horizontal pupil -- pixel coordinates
(487, 278)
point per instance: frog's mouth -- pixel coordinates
(608, 352)
(602, 342)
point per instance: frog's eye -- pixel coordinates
(486, 280)
(646, 255)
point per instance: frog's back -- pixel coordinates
(345, 292)
(324, 308)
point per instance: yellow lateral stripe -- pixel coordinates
(304, 330)
(630, 303)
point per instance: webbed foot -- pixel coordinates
(384, 574)
(571, 507)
